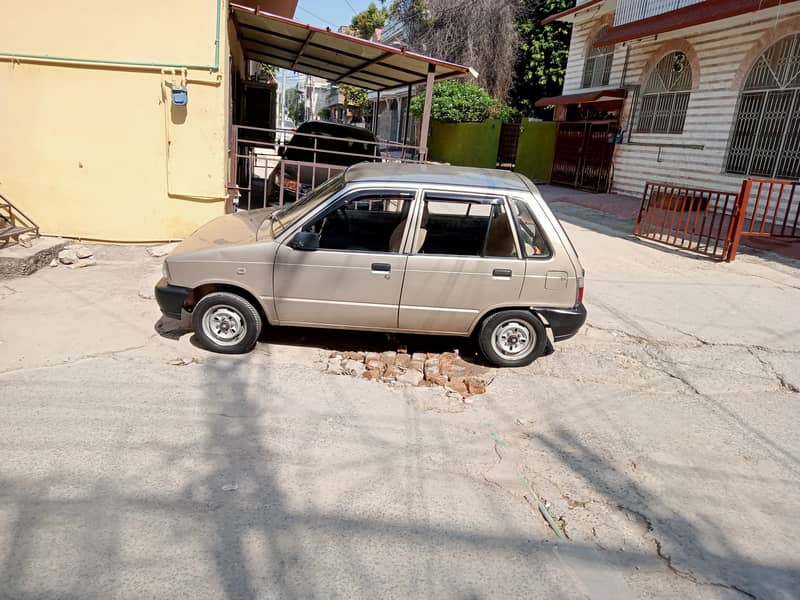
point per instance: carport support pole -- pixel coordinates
(426, 113)
(408, 113)
(376, 113)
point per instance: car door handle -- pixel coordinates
(381, 267)
(502, 273)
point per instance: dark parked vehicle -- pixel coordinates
(331, 147)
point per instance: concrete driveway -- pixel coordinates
(662, 441)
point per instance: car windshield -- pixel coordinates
(283, 218)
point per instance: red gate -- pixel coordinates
(711, 222)
(768, 208)
(583, 155)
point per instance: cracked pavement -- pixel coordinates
(661, 440)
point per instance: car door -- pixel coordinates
(466, 260)
(354, 276)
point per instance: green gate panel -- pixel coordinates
(537, 143)
(465, 144)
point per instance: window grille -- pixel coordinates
(765, 140)
(665, 97)
(597, 68)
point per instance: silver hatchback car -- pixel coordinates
(425, 249)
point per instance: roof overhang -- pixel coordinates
(284, 8)
(583, 97)
(569, 15)
(689, 16)
(338, 57)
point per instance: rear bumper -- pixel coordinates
(170, 298)
(564, 322)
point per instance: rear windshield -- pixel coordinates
(332, 145)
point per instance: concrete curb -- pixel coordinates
(17, 261)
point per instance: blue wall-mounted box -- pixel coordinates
(180, 96)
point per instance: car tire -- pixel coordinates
(512, 338)
(226, 323)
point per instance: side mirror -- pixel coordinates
(281, 151)
(305, 240)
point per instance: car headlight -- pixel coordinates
(165, 270)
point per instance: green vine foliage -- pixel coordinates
(542, 55)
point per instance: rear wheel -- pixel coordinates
(226, 323)
(512, 338)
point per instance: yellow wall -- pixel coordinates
(98, 150)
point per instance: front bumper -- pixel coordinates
(564, 322)
(170, 298)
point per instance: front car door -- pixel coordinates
(354, 278)
(466, 260)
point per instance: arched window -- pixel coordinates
(597, 67)
(766, 133)
(665, 96)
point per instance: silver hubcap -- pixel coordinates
(224, 324)
(513, 339)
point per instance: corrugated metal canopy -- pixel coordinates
(583, 97)
(335, 56)
(568, 15)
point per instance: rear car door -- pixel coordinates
(465, 260)
(354, 278)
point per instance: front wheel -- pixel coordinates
(226, 323)
(512, 338)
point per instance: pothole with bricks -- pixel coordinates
(446, 370)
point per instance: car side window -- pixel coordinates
(531, 238)
(372, 221)
(465, 226)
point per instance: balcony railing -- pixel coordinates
(629, 11)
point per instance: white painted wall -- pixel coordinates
(720, 47)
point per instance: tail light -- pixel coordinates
(580, 287)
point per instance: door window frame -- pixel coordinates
(548, 244)
(467, 197)
(346, 194)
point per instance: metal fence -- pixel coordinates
(712, 222)
(767, 208)
(275, 166)
(693, 219)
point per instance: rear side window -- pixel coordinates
(531, 238)
(465, 226)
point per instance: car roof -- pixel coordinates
(432, 174)
(339, 129)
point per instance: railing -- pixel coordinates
(629, 11)
(14, 222)
(767, 208)
(693, 219)
(713, 223)
(260, 174)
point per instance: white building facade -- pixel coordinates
(702, 93)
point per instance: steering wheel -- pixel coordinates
(340, 214)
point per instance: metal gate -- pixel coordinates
(711, 222)
(507, 149)
(583, 155)
(767, 208)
